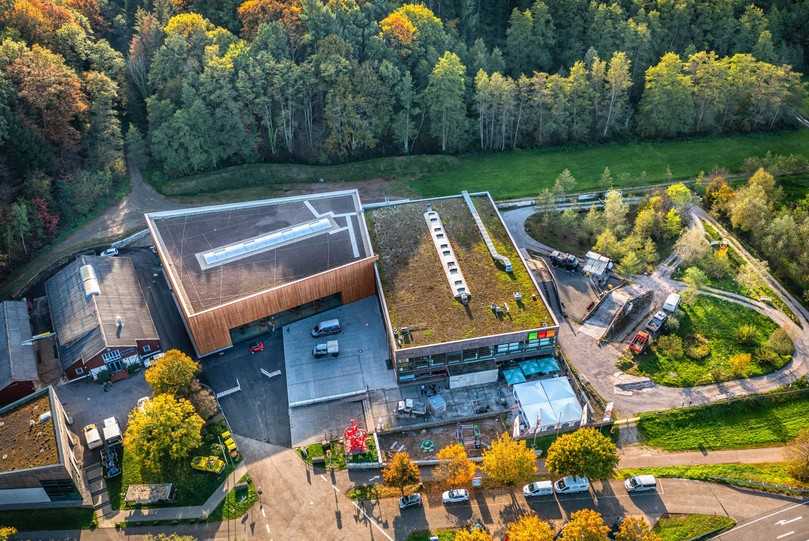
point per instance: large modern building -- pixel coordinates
(38, 467)
(100, 316)
(458, 299)
(237, 270)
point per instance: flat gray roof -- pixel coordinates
(219, 254)
(360, 365)
(17, 362)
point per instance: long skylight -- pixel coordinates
(262, 243)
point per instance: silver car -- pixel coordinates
(413, 500)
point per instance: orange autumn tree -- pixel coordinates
(253, 13)
(396, 28)
(52, 94)
(36, 20)
(456, 470)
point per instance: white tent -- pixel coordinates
(557, 388)
(548, 403)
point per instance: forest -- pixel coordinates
(176, 87)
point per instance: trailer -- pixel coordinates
(639, 342)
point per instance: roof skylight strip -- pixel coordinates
(262, 243)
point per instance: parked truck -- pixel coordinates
(639, 342)
(655, 324)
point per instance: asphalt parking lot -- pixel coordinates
(360, 366)
(87, 402)
(259, 411)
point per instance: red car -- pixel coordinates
(257, 347)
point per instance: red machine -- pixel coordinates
(354, 438)
(639, 342)
(257, 347)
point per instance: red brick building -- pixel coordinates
(18, 363)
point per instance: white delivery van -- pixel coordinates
(537, 488)
(112, 432)
(640, 483)
(92, 437)
(571, 485)
(327, 327)
(672, 302)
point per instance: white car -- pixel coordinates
(456, 495)
(537, 488)
(413, 500)
(109, 252)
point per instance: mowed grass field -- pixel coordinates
(519, 173)
(761, 421)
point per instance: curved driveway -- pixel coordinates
(596, 363)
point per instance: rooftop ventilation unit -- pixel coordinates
(502, 260)
(446, 254)
(268, 241)
(89, 280)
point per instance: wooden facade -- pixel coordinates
(210, 329)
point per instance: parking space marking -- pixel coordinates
(783, 535)
(270, 374)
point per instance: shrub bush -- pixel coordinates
(670, 346)
(740, 363)
(780, 342)
(746, 334)
(698, 347)
(673, 323)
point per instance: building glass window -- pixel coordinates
(147, 348)
(60, 490)
(454, 357)
(439, 359)
(470, 354)
(485, 352)
(110, 356)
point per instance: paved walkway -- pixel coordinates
(198, 512)
(638, 456)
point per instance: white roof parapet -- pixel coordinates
(501, 259)
(446, 254)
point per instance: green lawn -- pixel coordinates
(686, 527)
(49, 519)
(772, 473)
(233, 507)
(759, 421)
(518, 173)
(574, 240)
(713, 322)
(795, 187)
(192, 487)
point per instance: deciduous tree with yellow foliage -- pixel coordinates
(585, 525)
(172, 373)
(509, 462)
(458, 470)
(530, 528)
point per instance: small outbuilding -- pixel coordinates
(18, 362)
(547, 404)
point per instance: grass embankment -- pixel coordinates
(191, 487)
(686, 527)
(233, 506)
(760, 421)
(424, 535)
(710, 323)
(745, 475)
(519, 173)
(49, 519)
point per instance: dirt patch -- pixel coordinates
(411, 440)
(27, 442)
